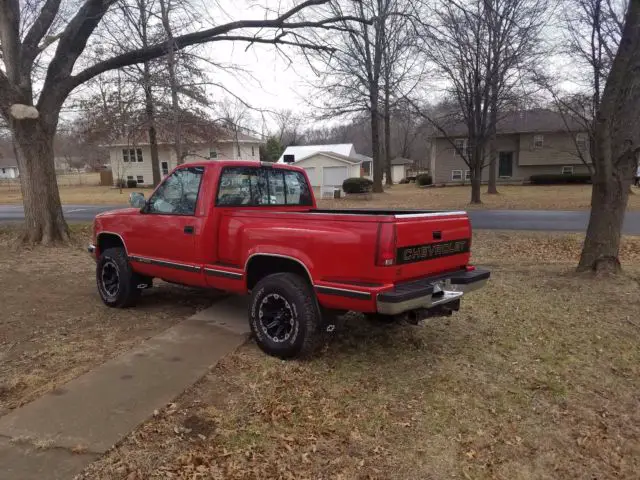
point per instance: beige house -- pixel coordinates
(130, 158)
(528, 143)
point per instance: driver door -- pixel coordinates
(163, 241)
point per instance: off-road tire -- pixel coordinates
(306, 334)
(127, 292)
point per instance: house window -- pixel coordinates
(132, 155)
(567, 170)
(213, 154)
(456, 175)
(467, 175)
(581, 141)
(459, 144)
(538, 141)
(140, 179)
(289, 158)
(129, 177)
(366, 169)
(4, 170)
(165, 168)
(253, 151)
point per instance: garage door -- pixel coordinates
(313, 178)
(334, 176)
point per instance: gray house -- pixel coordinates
(528, 143)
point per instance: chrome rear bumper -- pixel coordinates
(430, 292)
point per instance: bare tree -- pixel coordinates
(289, 127)
(402, 68)
(482, 49)
(352, 76)
(615, 149)
(236, 117)
(27, 32)
(592, 31)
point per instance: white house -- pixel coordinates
(131, 158)
(328, 165)
(8, 168)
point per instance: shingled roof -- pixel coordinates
(525, 121)
(194, 129)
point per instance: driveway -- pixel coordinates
(539, 220)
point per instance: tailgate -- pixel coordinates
(432, 243)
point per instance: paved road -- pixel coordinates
(543, 220)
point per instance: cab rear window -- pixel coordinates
(250, 186)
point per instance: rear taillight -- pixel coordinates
(470, 268)
(386, 252)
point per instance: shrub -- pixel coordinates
(560, 178)
(404, 180)
(131, 183)
(357, 185)
(424, 179)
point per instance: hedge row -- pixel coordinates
(424, 179)
(357, 185)
(129, 183)
(559, 178)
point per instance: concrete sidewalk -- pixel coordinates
(94, 411)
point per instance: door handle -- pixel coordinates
(189, 229)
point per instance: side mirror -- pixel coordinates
(136, 200)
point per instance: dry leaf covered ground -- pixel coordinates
(53, 326)
(545, 197)
(537, 377)
(517, 197)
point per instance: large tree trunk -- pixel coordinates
(44, 221)
(476, 177)
(602, 243)
(492, 188)
(173, 83)
(387, 137)
(150, 109)
(493, 153)
(616, 144)
(476, 173)
(375, 143)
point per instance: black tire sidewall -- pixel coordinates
(306, 322)
(127, 291)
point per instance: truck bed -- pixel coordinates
(381, 212)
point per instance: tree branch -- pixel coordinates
(10, 37)
(30, 45)
(204, 36)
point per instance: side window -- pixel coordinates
(276, 187)
(178, 194)
(249, 186)
(240, 186)
(297, 189)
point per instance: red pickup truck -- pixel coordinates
(248, 227)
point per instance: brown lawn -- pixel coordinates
(518, 197)
(85, 194)
(537, 377)
(553, 197)
(53, 326)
